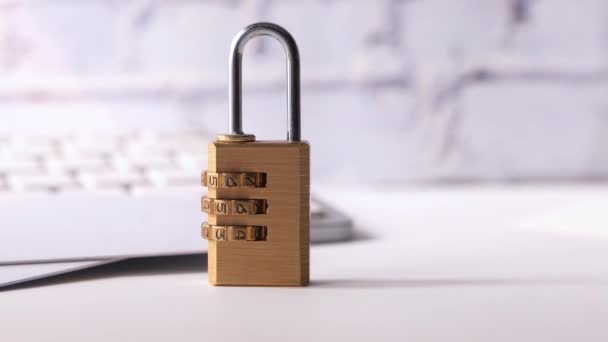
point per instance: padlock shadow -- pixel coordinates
(162, 265)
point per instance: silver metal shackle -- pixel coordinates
(235, 80)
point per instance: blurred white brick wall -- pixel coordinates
(418, 90)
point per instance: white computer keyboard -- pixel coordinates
(127, 161)
(88, 162)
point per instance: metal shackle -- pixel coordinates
(235, 81)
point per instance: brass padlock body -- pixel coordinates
(283, 258)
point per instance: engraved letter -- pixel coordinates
(212, 180)
(240, 234)
(250, 180)
(220, 233)
(221, 207)
(206, 204)
(241, 208)
(231, 182)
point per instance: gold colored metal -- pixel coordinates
(233, 179)
(233, 233)
(282, 258)
(236, 137)
(234, 207)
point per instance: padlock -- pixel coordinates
(258, 201)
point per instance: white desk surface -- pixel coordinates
(436, 264)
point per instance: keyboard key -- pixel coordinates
(40, 182)
(78, 146)
(111, 179)
(75, 165)
(123, 163)
(28, 152)
(27, 166)
(176, 177)
(193, 162)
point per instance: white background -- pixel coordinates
(424, 90)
